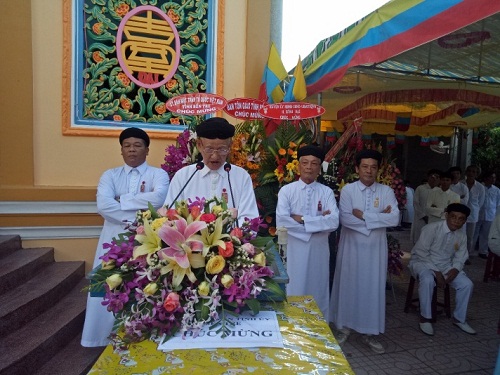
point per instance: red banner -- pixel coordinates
(196, 104)
(291, 111)
(245, 108)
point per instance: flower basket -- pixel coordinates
(179, 269)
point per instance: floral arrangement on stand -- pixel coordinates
(247, 149)
(281, 164)
(390, 175)
(184, 152)
(279, 167)
(179, 269)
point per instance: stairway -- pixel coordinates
(42, 309)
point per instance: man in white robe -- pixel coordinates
(475, 202)
(494, 236)
(121, 193)
(440, 198)
(458, 186)
(487, 213)
(308, 210)
(420, 203)
(438, 257)
(214, 177)
(366, 209)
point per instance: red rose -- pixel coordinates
(236, 232)
(228, 251)
(171, 302)
(208, 218)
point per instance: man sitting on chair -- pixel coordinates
(438, 258)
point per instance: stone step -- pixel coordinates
(20, 265)
(73, 359)
(31, 346)
(30, 299)
(9, 243)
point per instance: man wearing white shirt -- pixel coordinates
(440, 198)
(366, 210)
(476, 200)
(420, 202)
(494, 236)
(216, 178)
(121, 193)
(308, 210)
(487, 213)
(438, 257)
(457, 186)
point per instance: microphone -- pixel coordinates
(227, 168)
(199, 166)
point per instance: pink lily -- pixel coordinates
(181, 241)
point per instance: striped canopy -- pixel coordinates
(407, 50)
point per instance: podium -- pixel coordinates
(310, 347)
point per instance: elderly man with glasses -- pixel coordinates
(215, 177)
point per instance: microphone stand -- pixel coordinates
(227, 168)
(199, 166)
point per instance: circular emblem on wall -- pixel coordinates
(148, 46)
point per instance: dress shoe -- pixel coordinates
(483, 256)
(342, 335)
(427, 328)
(373, 343)
(465, 327)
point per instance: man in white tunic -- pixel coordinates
(494, 236)
(458, 186)
(366, 209)
(438, 257)
(487, 213)
(420, 203)
(440, 198)
(121, 193)
(308, 210)
(214, 177)
(476, 201)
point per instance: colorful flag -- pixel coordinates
(433, 140)
(403, 121)
(391, 142)
(296, 90)
(424, 141)
(400, 139)
(274, 73)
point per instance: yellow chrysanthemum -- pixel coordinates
(158, 223)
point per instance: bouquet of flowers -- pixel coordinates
(179, 269)
(390, 175)
(247, 150)
(182, 154)
(281, 164)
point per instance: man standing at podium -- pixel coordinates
(121, 193)
(214, 177)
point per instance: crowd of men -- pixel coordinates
(450, 217)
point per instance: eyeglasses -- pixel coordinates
(220, 151)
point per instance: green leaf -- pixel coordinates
(274, 290)
(154, 213)
(254, 305)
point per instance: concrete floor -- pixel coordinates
(449, 351)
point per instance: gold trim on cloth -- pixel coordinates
(310, 348)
